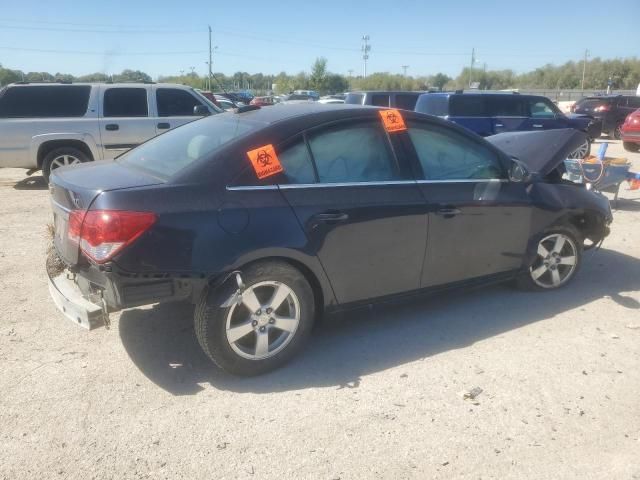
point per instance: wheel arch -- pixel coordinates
(44, 146)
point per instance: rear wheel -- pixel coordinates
(631, 147)
(558, 258)
(267, 326)
(62, 157)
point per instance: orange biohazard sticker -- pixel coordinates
(265, 161)
(392, 120)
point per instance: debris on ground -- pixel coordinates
(472, 394)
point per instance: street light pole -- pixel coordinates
(210, 59)
(404, 70)
(473, 60)
(584, 68)
(366, 48)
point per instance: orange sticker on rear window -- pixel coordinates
(265, 161)
(392, 120)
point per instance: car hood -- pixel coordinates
(542, 151)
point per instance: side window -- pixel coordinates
(296, 163)
(634, 102)
(125, 102)
(173, 102)
(406, 102)
(380, 100)
(354, 153)
(44, 101)
(448, 155)
(541, 109)
(506, 106)
(468, 106)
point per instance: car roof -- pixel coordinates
(108, 84)
(388, 92)
(281, 112)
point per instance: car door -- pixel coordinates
(508, 112)
(363, 214)
(125, 120)
(544, 115)
(175, 107)
(479, 222)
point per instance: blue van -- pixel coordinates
(492, 113)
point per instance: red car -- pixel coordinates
(262, 101)
(631, 132)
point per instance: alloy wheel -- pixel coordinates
(264, 322)
(581, 151)
(63, 161)
(556, 261)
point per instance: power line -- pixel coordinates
(89, 30)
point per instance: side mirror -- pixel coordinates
(519, 172)
(201, 111)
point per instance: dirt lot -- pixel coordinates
(376, 395)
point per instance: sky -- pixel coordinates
(167, 37)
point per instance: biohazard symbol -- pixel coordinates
(392, 120)
(265, 161)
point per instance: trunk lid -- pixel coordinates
(76, 187)
(542, 151)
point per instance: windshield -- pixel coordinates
(167, 154)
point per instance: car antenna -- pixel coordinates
(224, 90)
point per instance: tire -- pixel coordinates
(540, 275)
(582, 151)
(616, 133)
(245, 320)
(631, 147)
(61, 157)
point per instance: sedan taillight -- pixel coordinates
(103, 233)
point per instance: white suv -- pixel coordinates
(48, 125)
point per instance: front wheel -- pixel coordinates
(582, 151)
(558, 258)
(266, 326)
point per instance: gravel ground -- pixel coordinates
(376, 395)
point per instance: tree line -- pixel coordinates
(622, 74)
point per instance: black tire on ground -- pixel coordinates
(69, 152)
(210, 319)
(586, 145)
(526, 282)
(631, 147)
(616, 133)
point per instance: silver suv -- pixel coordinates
(47, 125)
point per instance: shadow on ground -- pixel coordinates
(162, 343)
(35, 182)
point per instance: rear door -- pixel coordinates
(478, 221)
(363, 215)
(125, 118)
(175, 107)
(508, 113)
(472, 112)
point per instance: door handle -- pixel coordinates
(536, 125)
(448, 212)
(112, 126)
(499, 125)
(164, 125)
(330, 217)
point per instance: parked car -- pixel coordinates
(400, 99)
(610, 109)
(492, 113)
(631, 132)
(47, 125)
(300, 97)
(226, 104)
(308, 93)
(267, 218)
(237, 97)
(263, 101)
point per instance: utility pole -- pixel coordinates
(584, 67)
(404, 70)
(473, 60)
(366, 48)
(210, 59)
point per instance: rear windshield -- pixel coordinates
(593, 102)
(167, 154)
